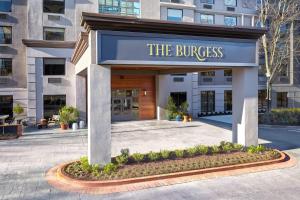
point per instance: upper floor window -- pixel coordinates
(5, 35)
(230, 2)
(207, 19)
(175, 15)
(120, 7)
(5, 5)
(208, 1)
(230, 21)
(54, 6)
(227, 72)
(54, 66)
(208, 73)
(54, 34)
(5, 66)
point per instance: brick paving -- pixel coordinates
(23, 163)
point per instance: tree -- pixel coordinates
(280, 18)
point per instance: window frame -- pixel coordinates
(55, 95)
(225, 73)
(178, 99)
(236, 20)
(46, 27)
(227, 102)
(11, 103)
(103, 7)
(177, 10)
(279, 96)
(10, 9)
(11, 35)
(208, 103)
(11, 70)
(206, 2)
(202, 14)
(236, 1)
(54, 74)
(208, 74)
(64, 11)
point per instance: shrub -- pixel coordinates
(125, 152)
(95, 170)
(203, 150)
(282, 116)
(137, 157)
(192, 151)
(238, 147)
(256, 149)
(110, 168)
(179, 153)
(84, 163)
(171, 108)
(226, 146)
(18, 109)
(214, 149)
(165, 154)
(122, 159)
(153, 156)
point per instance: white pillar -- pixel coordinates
(81, 96)
(161, 96)
(99, 114)
(244, 106)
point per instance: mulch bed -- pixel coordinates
(73, 170)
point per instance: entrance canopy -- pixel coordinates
(130, 41)
(115, 49)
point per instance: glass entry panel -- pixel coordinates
(125, 104)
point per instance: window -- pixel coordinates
(207, 19)
(227, 100)
(5, 35)
(207, 1)
(54, 66)
(52, 104)
(6, 105)
(54, 34)
(120, 7)
(230, 21)
(282, 100)
(54, 6)
(207, 101)
(178, 98)
(209, 73)
(175, 15)
(230, 2)
(227, 72)
(5, 66)
(5, 5)
(262, 99)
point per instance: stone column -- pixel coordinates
(80, 96)
(99, 114)
(244, 106)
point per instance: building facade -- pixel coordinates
(37, 41)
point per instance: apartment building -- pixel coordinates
(38, 37)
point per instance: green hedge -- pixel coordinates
(283, 116)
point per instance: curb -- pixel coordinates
(57, 179)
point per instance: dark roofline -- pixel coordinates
(96, 21)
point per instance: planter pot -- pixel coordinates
(178, 118)
(190, 118)
(185, 118)
(74, 126)
(64, 126)
(43, 122)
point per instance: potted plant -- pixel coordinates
(171, 109)
(64, 117)
(184, 111)
(67, 116)
(18, 110)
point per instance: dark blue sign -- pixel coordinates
(133, 48)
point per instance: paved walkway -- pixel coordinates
(23, 163)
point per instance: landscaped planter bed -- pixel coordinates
(172, 165)
(8, 136)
